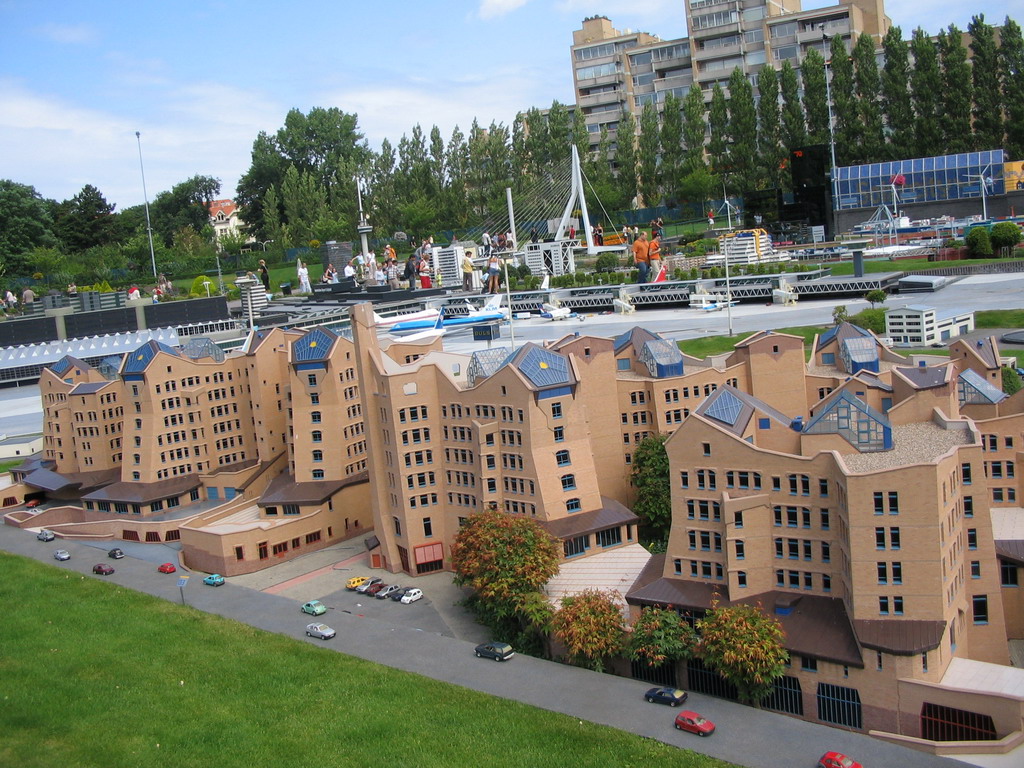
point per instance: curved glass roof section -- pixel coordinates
(974, 388)
(860, 424)
(485, 362)
(315, 345)
(61, 366)
(662, 358)
(200, 347)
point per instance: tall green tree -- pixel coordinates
(794, 125)
(559, 131)
(266, 171)
(745, 646)
(925, 92)
(956, 93)
(649, 149)
(815, 97)
(1011, 72)
(580, 134)
(84, 221)
(186, 205)
(694, 130)
(653, 503)
(589, 625)
(25, 219)
(626, 158)
(844, 102)
(660, 635)
(988, 96)
(867, 87)
(672, 151)
(304, 202)
(504, 558)
(896, 104)
(745, 175)
(718, 129)
(771, 154)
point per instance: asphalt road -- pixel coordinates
(745, 736)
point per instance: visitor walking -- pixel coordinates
(467, 270)
(654, 256)
(303, 271)
(265, 275)
(640, 257)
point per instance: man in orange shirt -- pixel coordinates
(643, 264)
(654, 255)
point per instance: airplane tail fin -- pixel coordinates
(545, 283)
(439, 323)
(377, 319)
(493, 303)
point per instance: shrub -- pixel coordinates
(607, 262)
(1005, 234)
(979, 245)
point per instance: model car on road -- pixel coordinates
(61, 554)
(102, 569)
(399, 593)
(411, 596)
(496, 651)
(670, 695)
(214, 580)
(369, 583)
(374, 589)
(694, 723)
(116, 553)
(167, 568)
(34, 503)
(387, 591)
(45, 535)
(837, 760)
(314, 608)
(321, 631)
(356, 581)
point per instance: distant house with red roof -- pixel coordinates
(224, 218)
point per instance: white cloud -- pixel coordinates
(68, 33)
(58, 146)
(490, 9)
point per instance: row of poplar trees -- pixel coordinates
(928, 98)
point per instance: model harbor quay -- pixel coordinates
(867, 499)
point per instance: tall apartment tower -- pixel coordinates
(614, 71)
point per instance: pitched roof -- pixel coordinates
(925, 376)
(542, 368)
(635, 336)
(611, 513)
(904, 637)
(733, 409)
(284, 490)
(144, 493)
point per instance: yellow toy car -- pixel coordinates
(356, 581)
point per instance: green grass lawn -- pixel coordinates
(6, 466)
(93, 674)
(716, 345)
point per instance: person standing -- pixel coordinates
(643, 266)
(467, 270)
(600, 234)
(493, 274)
(572, 231)
(411, 270)
(425, 274)
(27, 297)
(264, 275)
(654, 256)
(303, 271)
(391, 274)
(486, 241)
(533, 235)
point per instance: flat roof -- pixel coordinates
(983, 677)
(921, 443)
(614, 571)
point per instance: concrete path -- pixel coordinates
(428, 638)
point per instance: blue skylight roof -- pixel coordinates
(139, 360)
(315, 345)
(543, 368)
(726, 408)
(974, 388)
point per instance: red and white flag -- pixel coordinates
(661, 276)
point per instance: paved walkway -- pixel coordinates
(399, 636)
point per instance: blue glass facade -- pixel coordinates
(926, 179)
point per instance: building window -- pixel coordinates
(318, 474)
(573, 505)
(897, 605)
(428, 527)
(1008, 574)
(559, 434)
(318, 436)
(318, 455)
(981, 609)
(883, 606)
(740, 550)
(972, 538)
(568, 482)
(609, 537)
(975, 569)
(556, 410)
(398, 526)
(562, 458)
(576, 546)
(315, 417)
(807, 664)
(707, 448)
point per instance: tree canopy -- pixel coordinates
(653, 490)
(504, 558)
(660, 635)
(589, 625)
(745, 646)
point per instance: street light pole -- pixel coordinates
(145, 197)
(826, 42)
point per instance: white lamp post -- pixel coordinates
(145, 197)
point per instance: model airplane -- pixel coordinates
(491, 312)
(551, 312)
(390, 322)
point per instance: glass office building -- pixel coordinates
(925, 179)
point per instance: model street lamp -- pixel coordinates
(145, 197)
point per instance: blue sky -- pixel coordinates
(200, 80)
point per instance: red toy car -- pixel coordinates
(102, 569)
(167, 568)
(34, 503)
(694, 723)
(837, 760)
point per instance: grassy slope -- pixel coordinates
(92, 674)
